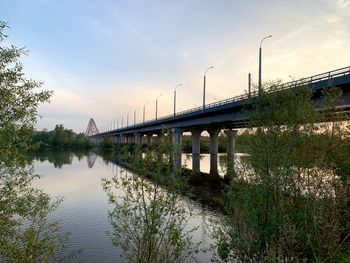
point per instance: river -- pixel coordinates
(77, 178)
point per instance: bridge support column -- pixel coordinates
(149, 139)
(122, 138)
(141, 138)
(137, 138)
(177, 140)
(214, 152)
(130, 138)
(196, 150)
(231, 148)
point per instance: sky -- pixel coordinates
(104, 59)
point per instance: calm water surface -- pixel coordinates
(77, 178)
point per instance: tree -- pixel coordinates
(25, 233)
(289, 205)
(20, 98)
(148, 217)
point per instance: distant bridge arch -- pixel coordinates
(91, 128)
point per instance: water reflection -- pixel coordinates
(84, 212)
(58, 157)
(91, 159)
(26, 233)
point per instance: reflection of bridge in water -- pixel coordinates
(222, 115)
(91, 159)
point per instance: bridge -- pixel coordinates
(226, 115)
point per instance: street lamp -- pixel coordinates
(205, 72)
(175, 98)
(127, 120)
(134, 117)
(144, 106)
(157, 104)
(260, 88)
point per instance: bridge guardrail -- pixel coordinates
(303, 81)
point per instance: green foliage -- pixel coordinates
(106, 143)
(61, 138)
(25, 233)
(291, 204)
(18, 103)
(148, 218)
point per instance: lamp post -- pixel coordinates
(260, 51)
(134, 117)
(205, 72)
(157, 104)
(175, 98)
(144, 110)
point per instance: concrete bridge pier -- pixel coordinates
(149, 139)
(231, 148)
(130, 138)
(137, 138)
(196, 150)
(177, 140)
(214, 133)
(122, 138)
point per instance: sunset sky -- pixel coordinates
(105, 58)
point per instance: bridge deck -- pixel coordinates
(227, 113)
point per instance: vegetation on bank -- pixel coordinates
(26, 235)
(292, 201)
(60, 137)
(149, 221)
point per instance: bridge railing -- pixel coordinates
(303, 81)
(317, 78)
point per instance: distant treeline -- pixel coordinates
(61, 137)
